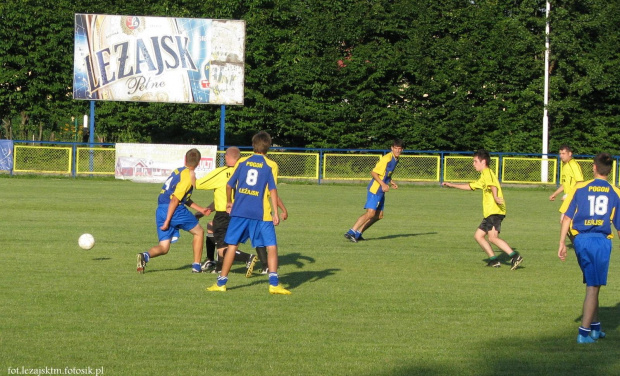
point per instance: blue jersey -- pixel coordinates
(593, 207)
(253, 178)
(384, 168)
(179, 184)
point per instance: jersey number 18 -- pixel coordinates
(598, 205)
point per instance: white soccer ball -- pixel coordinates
(86, 241)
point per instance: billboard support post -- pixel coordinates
(222, 127)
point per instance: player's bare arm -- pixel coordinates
(274, 204)
(563, 232)
(200, 210)
(384, 187)
(206, 211)
(557, 192)
(283, 209)
(498, 200)
(174, 203)
(229, 204)
(465, 186)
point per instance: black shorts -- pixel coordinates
(220, 226)
(494, 220)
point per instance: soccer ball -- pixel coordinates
(86, 241)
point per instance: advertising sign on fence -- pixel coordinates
(6, 155)
(159, 59)
(152, 163)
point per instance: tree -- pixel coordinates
(442, 75)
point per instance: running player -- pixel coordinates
(493, 210)
(172, 215)
(376, 190)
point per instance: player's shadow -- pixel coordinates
(401, 236)
(102, 259)
(504, 259)
(608, 316)
(183, 267)
(296, 259)
(293, 279)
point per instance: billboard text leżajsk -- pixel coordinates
(159, 59)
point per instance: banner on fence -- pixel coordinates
(159, 59)
(151, 163)
(6, 155)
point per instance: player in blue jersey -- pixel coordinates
(375, 196)
(593, 207)
(172, 215)
(254, 213)
(216, 230)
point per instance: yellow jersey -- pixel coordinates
(486, 181)
(216, 180)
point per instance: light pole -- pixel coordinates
(544, 171)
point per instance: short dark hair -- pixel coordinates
(397, 143)
(261, 142)
(192, 157)
(603, 163)
(483, 155)
(566, 147)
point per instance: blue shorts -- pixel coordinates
(182, 219)
(593, 252)
(375, 201)
(261, 233)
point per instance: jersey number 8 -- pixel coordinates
(252, 177)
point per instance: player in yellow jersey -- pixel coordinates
(570, 174)
(493, 209)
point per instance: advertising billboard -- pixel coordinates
(159, 59)
(153, 163)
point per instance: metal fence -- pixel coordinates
(319, 165)
(64, 158)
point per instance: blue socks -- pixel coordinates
(356, 234)
(196, 267)
(221, 281)
(584, 331)
(273, 279)
(146, 256)
(596, 326)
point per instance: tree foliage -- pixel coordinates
(441, 74)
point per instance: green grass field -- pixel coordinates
(414, 299)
